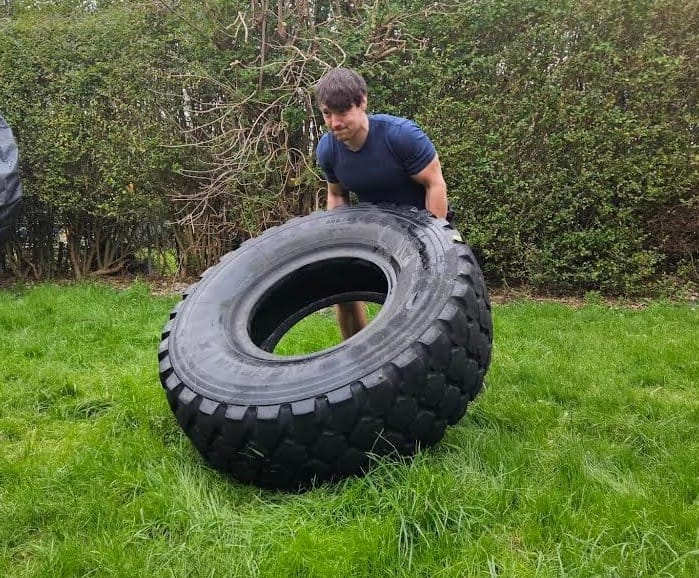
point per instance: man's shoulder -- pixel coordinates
(396, 128)
(325, 145)
(406, 141)
(388, 120)
(325, 139)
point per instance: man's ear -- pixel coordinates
(362, 104)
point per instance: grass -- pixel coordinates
(316, 332)
(580, 459)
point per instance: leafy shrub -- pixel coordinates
(567, 131)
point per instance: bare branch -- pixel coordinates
(259, 140)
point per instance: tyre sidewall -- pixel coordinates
(212, 349)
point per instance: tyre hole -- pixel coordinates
(299, 308)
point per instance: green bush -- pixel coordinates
(91, 116)
(567, 131)
(568, 135)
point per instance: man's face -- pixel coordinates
(345, 125)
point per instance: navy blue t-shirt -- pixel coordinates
(380, 171)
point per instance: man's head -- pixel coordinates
(341, 97)
(341, 89)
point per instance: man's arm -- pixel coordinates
(337, 195)
(435, 188)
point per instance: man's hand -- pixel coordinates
(337, 195)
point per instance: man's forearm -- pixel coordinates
(436, 200)
(336, 201)
(337, 196)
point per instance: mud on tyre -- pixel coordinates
(283, 421)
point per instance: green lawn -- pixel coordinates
(581, 458)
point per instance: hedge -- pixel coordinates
(567, 131)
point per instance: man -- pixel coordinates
(10, 187)
(381, 158)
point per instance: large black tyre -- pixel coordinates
(282, 421)
(10, 186)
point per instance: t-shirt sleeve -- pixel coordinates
(324, 155)
(411, 146)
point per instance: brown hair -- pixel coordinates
(340, 89)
